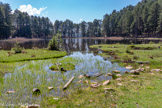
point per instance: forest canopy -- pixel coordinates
(142, 20)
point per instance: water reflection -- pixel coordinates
(75, 44)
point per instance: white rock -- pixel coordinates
(81, 76)
(11, 91)
(134, 81)
(79, 81)
(116, 71)
(106, 82)
(134, 76)
(86, 81)
(109, 74)
(118, 79)
(118, 75)
(155, 70)
(33, 106)
(95, 85)
(148, 67)
(56, 98)
(50, 88)
(129, 67)
(119, 84)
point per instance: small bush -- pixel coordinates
(17, 49)
(55, 42)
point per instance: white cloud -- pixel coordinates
(31, 10)
(80, 20)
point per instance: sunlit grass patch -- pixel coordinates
(127, 54)
(63, 67)
(30, 54)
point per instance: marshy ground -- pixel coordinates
(124, 90)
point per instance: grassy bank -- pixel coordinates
(132, 54)
(29, 54)
(144, 93)
(128, 90)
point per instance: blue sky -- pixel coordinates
(75, 10)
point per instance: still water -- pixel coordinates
(72, 44)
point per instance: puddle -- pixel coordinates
(36, 74)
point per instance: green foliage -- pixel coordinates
(144, 19)
(5, 21)
(55, 42)
(17, 49)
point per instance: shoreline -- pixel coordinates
(22, 40)
(115, 38)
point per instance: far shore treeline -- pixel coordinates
(142, 20)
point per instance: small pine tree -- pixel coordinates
(17, 49)
(55, 42)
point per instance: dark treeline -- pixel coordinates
(19, 24)
(142, 20)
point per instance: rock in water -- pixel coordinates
(118, 75)
(36, 91)
(50, 88)
(81, 76)
(106, 82)
(33, 106)
(135, 72)
(63, 70)
(129, 67)
(109, 74)
(95, 85)
(87, 76)
(116, 71)
(11, 91)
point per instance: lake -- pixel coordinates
(75, 44)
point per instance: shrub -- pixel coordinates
(55, 42)
(17, 49)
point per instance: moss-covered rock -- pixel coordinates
(63, 67)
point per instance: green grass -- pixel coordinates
(30, 54)
(123, 53)
(146, 93)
